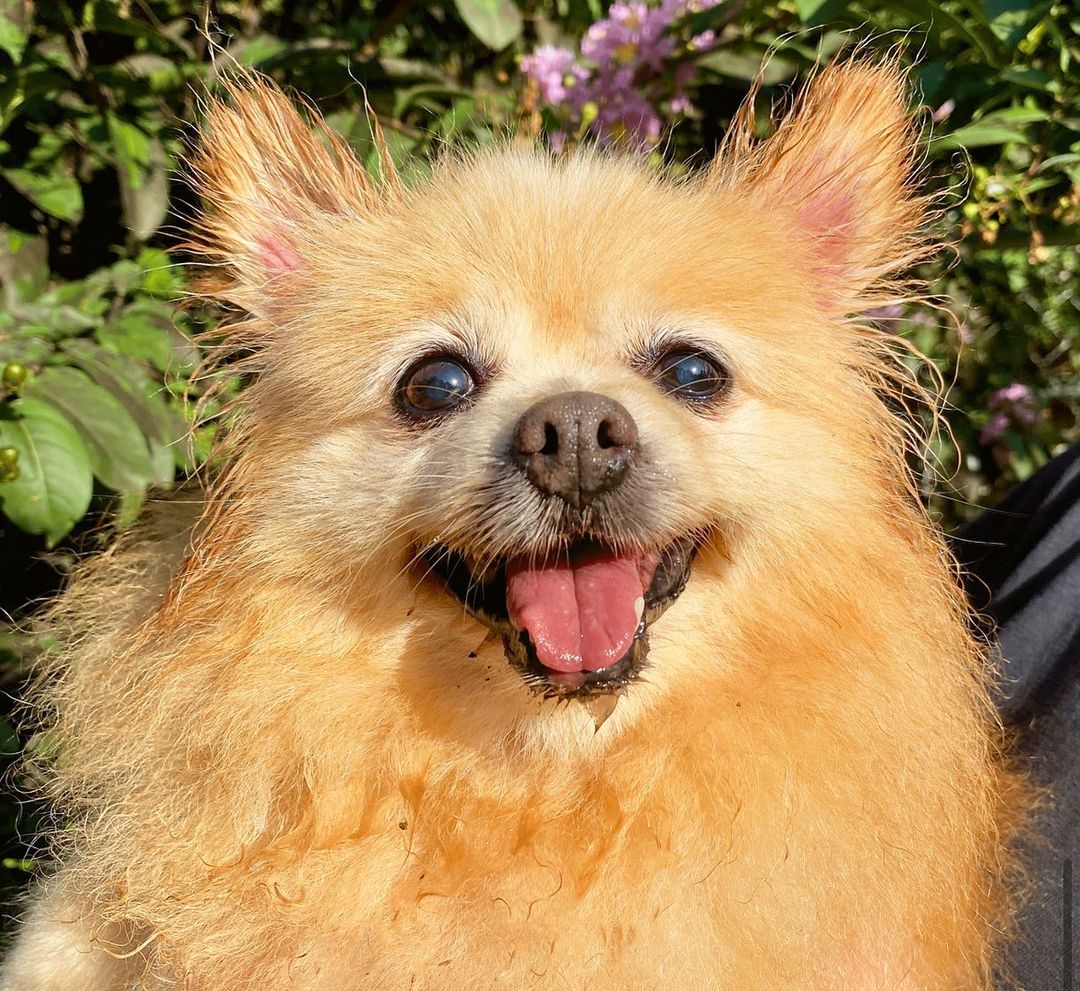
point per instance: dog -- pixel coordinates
(564, 614)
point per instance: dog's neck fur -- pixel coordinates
(732, 806)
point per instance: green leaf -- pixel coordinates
(143, 398)
(745, 66)
(24, 266)
(145, 330)
(165, 459)
(457, 120)
(143, 174)
(55, 482)
(1057, 161)
(12, 38)
(930, 74)
(128, 508)
(1016, 115)
(126, 276)
(151, 65)
(24, 350)
(257, 49)
(1031, 78)
(58, 193)
(44, 318)
(130, 145)
(402, 69)
(1008, 19)
(108, 17)
(411, 95)
(161, 275)
(86, 295)
(9, 739)
(118, 451)
(815, 12)
(400, 146)
(495, 22)
(978, 135)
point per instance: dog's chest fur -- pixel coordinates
(689, 876)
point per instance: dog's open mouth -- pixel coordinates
(577, 623)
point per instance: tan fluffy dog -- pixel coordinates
(417, 703)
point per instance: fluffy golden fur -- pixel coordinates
(285, 759)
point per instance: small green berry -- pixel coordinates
(8, 456)
(9, 473)
(14, 374)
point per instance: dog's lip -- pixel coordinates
(486, 600)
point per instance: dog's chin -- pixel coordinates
(484, 594)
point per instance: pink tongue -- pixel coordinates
(581, 615)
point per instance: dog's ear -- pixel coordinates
(270, 181)
(842, 161)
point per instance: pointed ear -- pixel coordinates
(842, 163)
(269, 180)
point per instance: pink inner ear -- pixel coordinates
(829, 215)
(277, 256)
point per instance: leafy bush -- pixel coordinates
(96, 96)
(83, 364)
(98, 93)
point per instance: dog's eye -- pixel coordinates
(436, 385)
(689, 374)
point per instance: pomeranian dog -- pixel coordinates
(565, 616)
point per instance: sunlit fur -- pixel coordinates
(296, 764)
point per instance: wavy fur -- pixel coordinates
(287, 761)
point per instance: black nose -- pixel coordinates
(576, 445)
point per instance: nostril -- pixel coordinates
(605, 435)
(616, 430)
(551, 439)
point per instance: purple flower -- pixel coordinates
(628, 115)
(551, 67)
(703, 42)
(1010, 406)
(627, 68)
(633, 34)
(943, 112)
(1011, 395)
(886, 315)
(993, 428)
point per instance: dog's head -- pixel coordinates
(563, 427)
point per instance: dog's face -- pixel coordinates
(545, 421)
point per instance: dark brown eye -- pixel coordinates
(436, 385)
(691, 375)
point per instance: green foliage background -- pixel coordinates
(96, 98)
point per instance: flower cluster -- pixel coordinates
(1008, 407)
(631, 64)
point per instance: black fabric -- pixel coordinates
(1023, 570)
